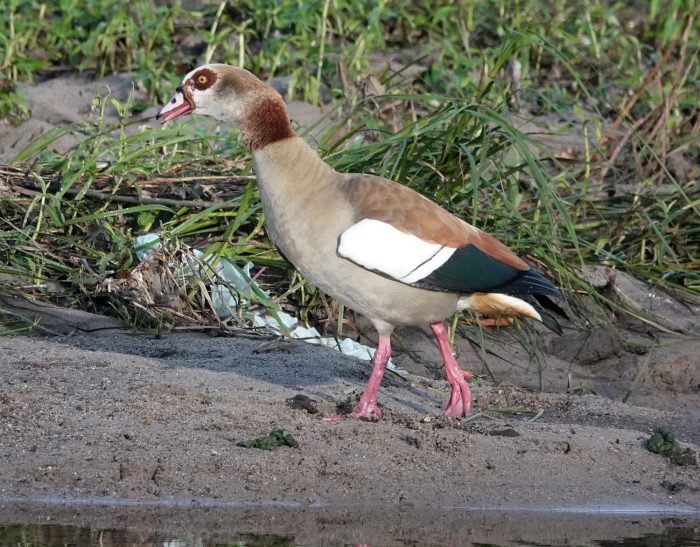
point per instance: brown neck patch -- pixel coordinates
(265, 121)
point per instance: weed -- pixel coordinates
(626, 195)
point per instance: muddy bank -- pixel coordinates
(135, 417)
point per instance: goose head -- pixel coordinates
(233, 93)
(214, 90)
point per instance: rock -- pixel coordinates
(15, 139)
(401, 62)
(586, 347)
(304, 114)
(76, 93)
(598, 276)
(656, 304)
(58, 320)
(682, 167)
(280, 84)
(308, 117)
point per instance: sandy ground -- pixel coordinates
(132, 417)
(103, 427)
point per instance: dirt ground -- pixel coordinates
(103, 426)
(118, 417)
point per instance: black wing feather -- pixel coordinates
(469, 270)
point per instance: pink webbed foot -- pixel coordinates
(367, 408)
(368, 411)
(461, 398)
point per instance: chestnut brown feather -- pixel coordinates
(385, 200)
(267, 122)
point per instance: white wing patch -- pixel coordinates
(377, 245)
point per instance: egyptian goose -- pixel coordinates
(376, 246)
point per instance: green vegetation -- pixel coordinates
(622, 79)
(272, 441)
(664, 443)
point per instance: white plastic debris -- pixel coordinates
(144, 245)
(237, 281)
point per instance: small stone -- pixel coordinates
(302, 402)
(598, 276)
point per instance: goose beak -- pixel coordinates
(178, 106)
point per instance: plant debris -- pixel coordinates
(272, 441)
(663, 442)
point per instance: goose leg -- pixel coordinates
(461, 399)
(367, 408)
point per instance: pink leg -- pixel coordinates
(367, 408)
(461, 399)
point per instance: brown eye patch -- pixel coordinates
(204, 78)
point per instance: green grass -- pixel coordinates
(451, 134)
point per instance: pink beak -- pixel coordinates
(178, 106)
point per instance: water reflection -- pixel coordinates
(49, 535)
